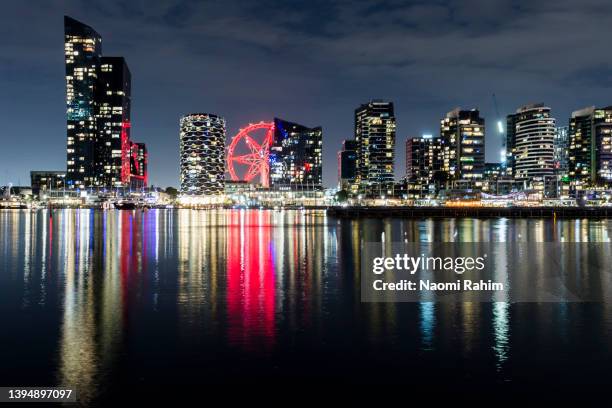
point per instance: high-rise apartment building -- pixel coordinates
(375, 138)
(530, 142)
(347, 166)
(561, 146)
(590, 146)
(98, 100)
(82, 50)
(423, 158)
(296, 157)
(423, 165)
(113, 107)
(202, 154)
(510, 141)
(462, 135)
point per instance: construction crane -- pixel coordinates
(6, 194)
(500, 130)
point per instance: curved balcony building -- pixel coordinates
(532, 131)
(202, 151)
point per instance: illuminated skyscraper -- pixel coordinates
(83, 50)
(202, 154)
(590, 146)
(462, 135)
(98, 91)
(113, 93)
(295, 157)
(531, 133)
(375, 138)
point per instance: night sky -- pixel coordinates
(311, 62)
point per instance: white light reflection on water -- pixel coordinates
(185, 287)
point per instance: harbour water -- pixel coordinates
(244, 303)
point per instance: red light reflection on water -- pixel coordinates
(250, 279)
(124, 254)
(130, 256)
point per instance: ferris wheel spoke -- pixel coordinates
(253, 171)
(247, 159)
(252, 144)
(268, 139)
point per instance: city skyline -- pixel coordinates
(200, 199)
(164, 89)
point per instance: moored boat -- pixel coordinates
(125, 205)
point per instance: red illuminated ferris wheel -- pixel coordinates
(256, 160)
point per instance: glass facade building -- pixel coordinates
(561, 146)
(202, 154)
(347, 166)
(82, 51)
(296, 157)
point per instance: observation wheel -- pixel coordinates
(256, 161)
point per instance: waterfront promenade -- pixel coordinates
(472, 212)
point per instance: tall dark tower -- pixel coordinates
(113, 104)
(83, 49)
(98, 98)
(375, 137)
(347, 166)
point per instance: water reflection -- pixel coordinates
(184, 285)
(251, 283)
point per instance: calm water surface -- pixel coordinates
(239, 303)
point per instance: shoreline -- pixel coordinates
(470, 212)
(401, 211)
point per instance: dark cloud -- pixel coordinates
(311, 62)
(595, 76)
